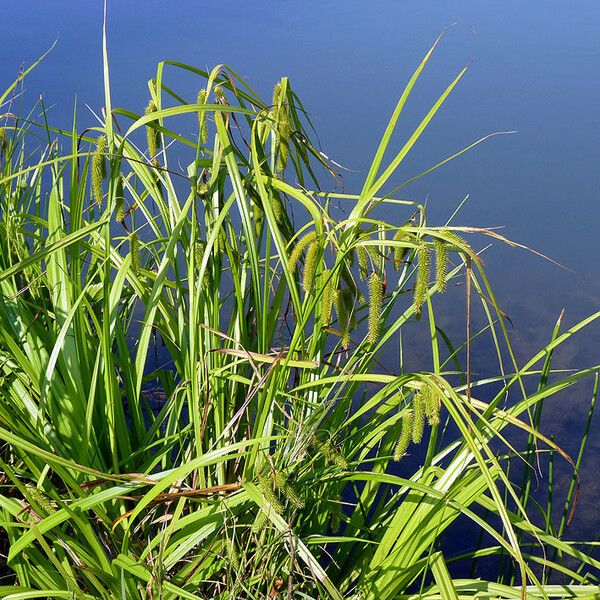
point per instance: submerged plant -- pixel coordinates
(213, 421)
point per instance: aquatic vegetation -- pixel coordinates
(191, 404)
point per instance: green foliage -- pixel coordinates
(197, 426)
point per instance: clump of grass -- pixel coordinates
(211, 425)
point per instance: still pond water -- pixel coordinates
(534, 68)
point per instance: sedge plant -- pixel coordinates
(190, 399)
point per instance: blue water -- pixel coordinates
(533, 67)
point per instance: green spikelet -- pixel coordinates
(339, 460)
(202, 190)
(40, 499)
(399, 251)
(232, 554)
(405, 435)
(152, 135)
(375, 303)
(220, 94)
(265, 485)
(2, 138)
(422, 280)
(363, 262)
(278, 208)
(120, 201)
(299, 248)
(342, 313)
(293, 497)
(259, 217)
(310, 266)
(327, 299)
(373, 252)
(222, 240)
(260, 522)
(454, 238)
(199, 249)
(336, 514)
(283, 143)
(280, 479)
(276, 93)
(202, 95)
(332, 456)
(99, 169)
(418, 418)
(441, 265)
(134, 250)
(432, 405)
(288, 490)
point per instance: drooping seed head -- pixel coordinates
(399, 251)
(422, 279)
(99, 169)
(220, 94)
(283, 139)
(455, 239)
(199, 249)
(152, 134)
(418, 418)
(288, 490)
(119, 201)
(405, 435)
(265, 485)
(299, 248)
(327, 299)
(441, 264)
(260, 522)
(310, 265)
(363, 262)
(432, 404)
(259, 217)
(375, 304)
(276, 93)
(203, 131)
(232, 554)
(278, 208)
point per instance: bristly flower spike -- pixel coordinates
(310, 265)
(99, 169)
(399, 251)
(405, 435)
(299, 249)
(422, 280)
(153, 135)
(418, 418)
(328, 296)
(441, 264)
(202, 95)
(375, 304)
